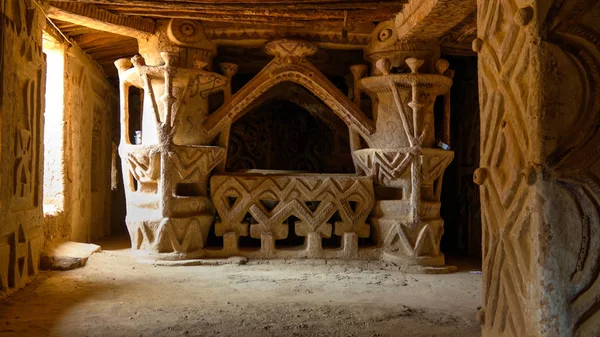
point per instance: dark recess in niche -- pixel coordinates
(460, 207)
(280, 135)
(215, 101)
(136, 102)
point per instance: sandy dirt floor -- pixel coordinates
(116, 296)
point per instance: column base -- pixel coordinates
(170, 238)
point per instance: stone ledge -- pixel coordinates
(68, 255)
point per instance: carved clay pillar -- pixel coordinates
(539, 92)
(169, 212)
(402, 157)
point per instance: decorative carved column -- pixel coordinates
(539, 168)
(169, 212)
(402, 158)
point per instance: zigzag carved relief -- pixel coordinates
(382, 164)
(194, 163)
(425, 243)
(173, 235)
(505, 76)
(389, 164)
(273, 199)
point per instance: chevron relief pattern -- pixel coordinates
(271, 200)
(194, 163)
(174, 235)
(414, 242)
(505, 79)
(434, 162)
(382, 165)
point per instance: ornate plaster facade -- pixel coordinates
(538, 169)
(171, 204)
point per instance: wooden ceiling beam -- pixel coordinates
(118, 6)
(92, 17)
(297, 18)
(431, 19)
(305, 14)
(233, 4)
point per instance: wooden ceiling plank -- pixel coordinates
(248, 3)
(92, 38)
(352, 15)
(293, 21)
(116, 47)
(119, 5)
(93, 17)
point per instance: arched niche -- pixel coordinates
(288, 128)
(290, 65)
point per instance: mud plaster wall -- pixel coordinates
(21, 107)
(89, 102)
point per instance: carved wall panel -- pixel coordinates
(21, 103)
(506, 80)
(539, 167)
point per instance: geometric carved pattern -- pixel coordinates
(505, 73)
(424, 242)
(19, 256)
(21, 103)
(144, 164)
(382, 164)
(539, 77)
(22, 169)
(434, 162)
(272, 199)
(174, 235)
(194, 163)
(390, 164)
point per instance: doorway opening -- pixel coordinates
(460, 206)
(54, 139)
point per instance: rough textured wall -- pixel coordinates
(21, 106)
(539, 65)
(89, 102)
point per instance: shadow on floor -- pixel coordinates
(51, 300)
(118, 241)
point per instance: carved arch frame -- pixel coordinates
(299, 71)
